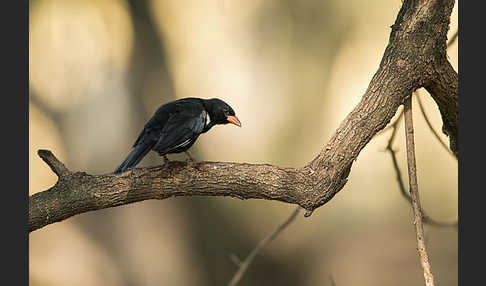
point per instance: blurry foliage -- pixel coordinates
(292, 70)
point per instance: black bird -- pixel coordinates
(176, 125)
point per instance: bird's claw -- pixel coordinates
(189, 159)
(166, 160)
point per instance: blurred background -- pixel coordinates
(292, 70)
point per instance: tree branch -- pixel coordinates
(389, 147)
(444, 90)
(417, 210)
(79, 192)
(453, 38)
(415, 57)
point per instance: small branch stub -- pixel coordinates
(56, 166)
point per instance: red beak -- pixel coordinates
(234, 120)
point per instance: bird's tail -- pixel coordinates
(137, 154)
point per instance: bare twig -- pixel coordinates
(453, 38)
(389, 148)
(422, 109)
(412, 176)
(235, 259)
(426, 219)
(248, 260)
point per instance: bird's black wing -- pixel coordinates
(144, 143)
(174, 125)
(149, 136)
(181, 130)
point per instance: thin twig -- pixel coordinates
(412, 176)
(389, 147)
(235, 259)
(248, 260)
(453, 38)
(422, 109)
(426, 219)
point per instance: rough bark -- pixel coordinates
(415, 57)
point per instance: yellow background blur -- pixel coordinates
(292, 70)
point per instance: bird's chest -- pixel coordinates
(207, 120)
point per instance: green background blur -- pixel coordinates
(292, 70)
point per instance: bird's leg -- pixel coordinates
(166, 160)
(191, 159)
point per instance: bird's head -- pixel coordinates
(221, 113)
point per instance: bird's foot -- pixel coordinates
(129, 170)
(189, 159)
(166, 160)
